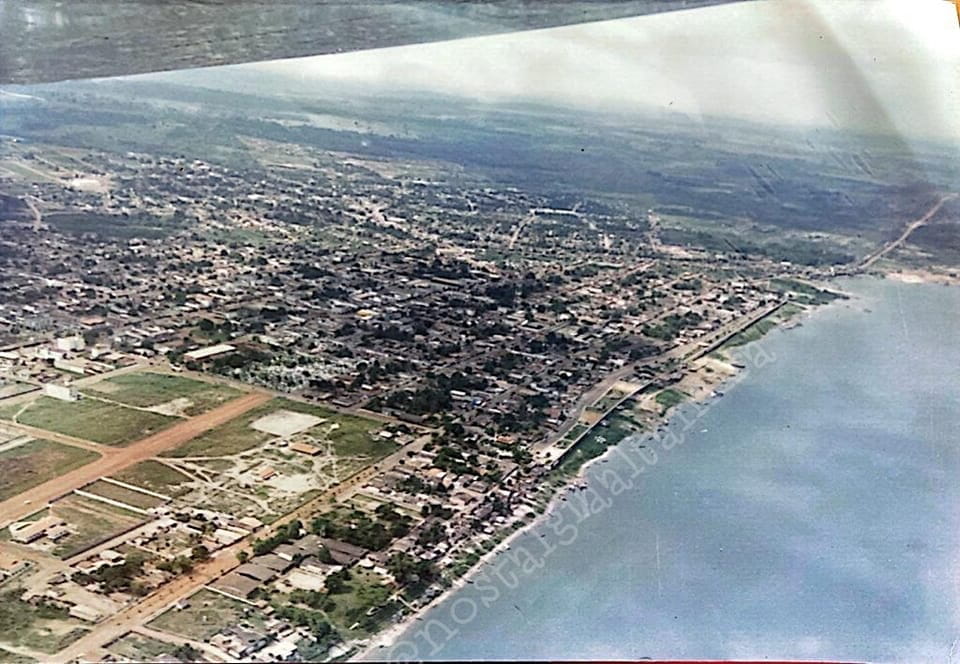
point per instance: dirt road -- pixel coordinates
(137, 615)
(912, 226)
(35, 498)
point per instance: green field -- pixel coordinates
(12, 658)
(90, 523)
(139, 648)
(148, 389)
(208, 613)
(155, 476)
(669, 398)
(351, 439)
(751, 334)
(43, 628)
(364, 591)
(37, 461)
(91, 419)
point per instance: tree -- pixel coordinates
(243, 556)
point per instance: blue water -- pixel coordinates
(817, 516)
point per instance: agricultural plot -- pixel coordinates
(208, 612)
(24, 466)
(166, 394)
(89, 522)
(90, 419)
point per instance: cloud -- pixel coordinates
(885, 65)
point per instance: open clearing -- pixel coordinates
(43, 628)
(90, 522)
(139, 648)
(208, 612)
(122, 494)
(350, 435)
(36, 461)
(283, 423)
(148, 389)
(91, 419)
(154, 476)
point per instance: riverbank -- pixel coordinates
(705, 381)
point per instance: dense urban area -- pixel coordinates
(273, 381)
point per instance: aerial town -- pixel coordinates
(262, 415)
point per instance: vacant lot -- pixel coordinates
(44, 628)
(37, 461)
(148, 389)
(669, 398)
(139, 648)
(155, 476)
(90, 523)
(121, 494)
(91, 419)
(208, 613)
(350, 435)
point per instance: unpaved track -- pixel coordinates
(29, 501)
(912, 226)
(134, 617)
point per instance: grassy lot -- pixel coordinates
(13, 658)
(208, 613)
(669, 398)
(351, 438)
(138, 648)
(125, 496)
(364, 590)
(37, 461)
(90, 523)
(593, 445)
(94, 420)
(752, 333)
(42, 628)
(147, 389)
(155, 476)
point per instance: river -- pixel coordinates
(811, 512)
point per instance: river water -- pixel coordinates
(810, 512)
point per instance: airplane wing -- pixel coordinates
(52, 40)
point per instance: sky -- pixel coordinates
(876, 65)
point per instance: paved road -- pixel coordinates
(35, 498)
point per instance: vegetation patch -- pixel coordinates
(670, 397)
(26, 466)
(42, 627)
(206, 614)
(91, 419)
(90, 522)
(139, 648)
(154, 476)
(350, 435)
(148, 389)
(123, 495)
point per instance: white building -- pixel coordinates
(61, 392)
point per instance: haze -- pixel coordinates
(878, 65)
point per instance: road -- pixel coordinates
(911, 227)
(33, 499)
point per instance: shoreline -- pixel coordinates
(706, 391)
(922, 276)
